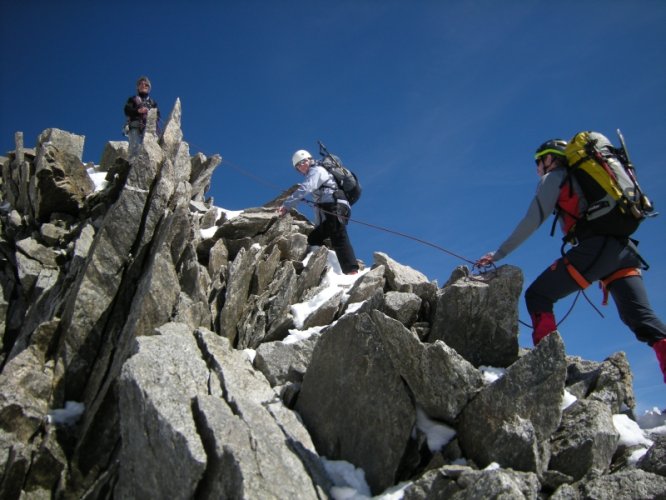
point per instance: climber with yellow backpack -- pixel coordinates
(592, 189)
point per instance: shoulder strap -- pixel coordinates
(559, 210)
(331, 178)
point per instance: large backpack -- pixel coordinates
(349, 188)
(616, 204)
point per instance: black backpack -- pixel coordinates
(349, 188)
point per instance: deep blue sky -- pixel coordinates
(437, 105)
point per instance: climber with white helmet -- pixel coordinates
(320, 184)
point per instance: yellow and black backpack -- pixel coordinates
(616, 205)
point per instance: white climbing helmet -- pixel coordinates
(299, 156)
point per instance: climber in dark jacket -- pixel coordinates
(136, 111)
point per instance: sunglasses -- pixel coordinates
(303, 162)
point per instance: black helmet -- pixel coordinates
(553, 146)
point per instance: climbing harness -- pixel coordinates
(620, 273)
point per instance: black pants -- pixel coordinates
(330, 227)
(597, 258)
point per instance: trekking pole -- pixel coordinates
(324, 152)
(322, 149)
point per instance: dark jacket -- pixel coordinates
(134, 103)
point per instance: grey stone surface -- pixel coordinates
(478, 317)
(115, 303)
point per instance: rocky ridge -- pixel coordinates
(213, 356)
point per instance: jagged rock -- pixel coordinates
(267, 317)
(16, 458)
(201, 173)
(478, 317)
(240, 462)
(609, 382)
(26, 391)
(470, 484)
(241, 271)
(61, 182)
(282, 363)
(112, 152)
(614, 386)
(442, 382)
(655, 459)
(585, 440)
(218, 259)
(266, 269)
(63, 141)
(458, 273)
(350, 375)
(565, 492)
(248, 224)
(629, 483)
(581, 376)
(28, 271)
(509, 420)
(402, 306)
(311, 275)
(209, 218)
(498, 484)
(82, 243)
(52, 234)
(202, 208)
(366, 286)
(435, 484)
(401, 278)
(123, 305)
(38, 252)
(26, 383)
(552, 480)
(282, 293)
(421, 329)
(46, 468)
(194, 278)
(326, 311)
(162, 454)
(37, 268)
(172, 137)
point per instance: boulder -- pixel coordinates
(353, 401)
(478, 316)
(508, 421)
(585, 441)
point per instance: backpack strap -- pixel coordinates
(559, 210)
(338, 193)
(331, 183)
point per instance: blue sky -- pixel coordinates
(437, 105)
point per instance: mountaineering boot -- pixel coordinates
(660, 348)
(543, 324)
